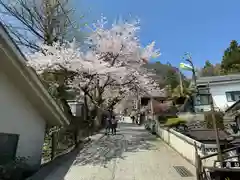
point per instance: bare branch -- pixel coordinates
(39, 20)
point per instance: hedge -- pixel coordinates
(173, 122)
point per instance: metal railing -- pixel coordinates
(201, 170)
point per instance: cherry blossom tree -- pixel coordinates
(107, 69)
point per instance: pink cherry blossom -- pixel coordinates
(113, 60)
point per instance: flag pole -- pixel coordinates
(189, 59)
(181, 83)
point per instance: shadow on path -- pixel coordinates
(129, 138)
(63, 163)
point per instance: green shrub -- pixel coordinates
(162, 119)
(209, 120)
(174, 122)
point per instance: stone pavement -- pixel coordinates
(132, 154)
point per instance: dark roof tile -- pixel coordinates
(216, 79)
(206, 134)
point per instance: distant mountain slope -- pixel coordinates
(166, 74)
(161, 71)
(159, 68)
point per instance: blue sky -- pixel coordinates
(203, 28)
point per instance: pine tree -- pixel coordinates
(231, 58)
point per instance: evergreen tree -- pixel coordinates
(210, 70)
(231, 58)
(172, 78)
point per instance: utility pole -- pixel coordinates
(220, 157)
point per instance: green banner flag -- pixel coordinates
(186, 67)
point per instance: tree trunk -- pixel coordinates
(76, 137)
(54, 145)
(85, 108)
(97, 119)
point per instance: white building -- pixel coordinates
(225, 91)
(25, 106)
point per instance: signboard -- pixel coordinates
(231, 164)
(230, 171)
(227, 175)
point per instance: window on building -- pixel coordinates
(203, 89)
(233, 96)
(8, 147)
(202, 99)
(145, 101)
(134, 104)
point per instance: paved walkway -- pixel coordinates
(133, 154)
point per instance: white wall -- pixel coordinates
(184, 145)
(19, 117)
(219, 95)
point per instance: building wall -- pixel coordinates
(19, 117)
(219, 94)
(76, 108)
(202, 108)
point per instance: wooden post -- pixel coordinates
(220, 158)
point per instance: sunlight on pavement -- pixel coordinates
(132, 154)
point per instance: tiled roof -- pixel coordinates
(236, 141)
(234, 107)
(164, 108)
(206, 134)
(156, 93)
(217, 79)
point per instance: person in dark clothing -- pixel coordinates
(114, 125)
(133, 119)
(108, 125)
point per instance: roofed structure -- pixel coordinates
(206, 134)
(218, 79)
(13, 64)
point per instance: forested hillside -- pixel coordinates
(166, 74)
(229, 64)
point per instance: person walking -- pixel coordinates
(133, 119)
(108, 125)
(114, 125)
